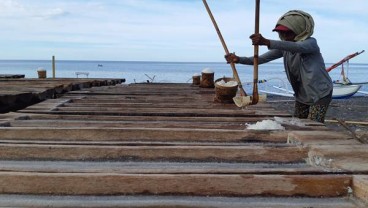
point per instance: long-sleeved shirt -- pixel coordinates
(304, 66)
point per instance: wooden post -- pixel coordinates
(255, 97)
(53, 67)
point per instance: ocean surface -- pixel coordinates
(172, 72)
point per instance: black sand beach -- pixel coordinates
(343, 114)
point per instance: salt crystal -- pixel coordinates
(231, 84)
(266, 125)
(207, 71)
(221, 82)
(227, 84)
(293, 121)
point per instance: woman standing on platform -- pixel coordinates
(303, 62)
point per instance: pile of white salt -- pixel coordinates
(266, 125)
(227, 84)
(275, 124)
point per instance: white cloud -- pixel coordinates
(154, 29)
(9, 8)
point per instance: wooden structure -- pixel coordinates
(170, 145)
(7, 76)
(19, 93)
(82, 73)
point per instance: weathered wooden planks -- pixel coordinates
(153, 153)
(140, 134)
(360, 187)
(7, 76)
(170, 140)
(19, 93)
(307, 138)
(342, 157)
(172, 201)
(178, 184)
(156, 167)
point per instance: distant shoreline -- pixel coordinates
(177, 62)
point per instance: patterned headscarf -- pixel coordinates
(301, 23)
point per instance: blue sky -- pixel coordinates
(167, 30)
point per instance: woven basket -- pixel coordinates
(41, 74)
(225, 94)
(207, 80)
(196, 80)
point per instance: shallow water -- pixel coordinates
(174, 72)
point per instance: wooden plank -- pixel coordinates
(157, 101)
(135, 143)
(168, 110)
(152, 167)
(127, 124)
(146, 124)
(13, 76)
(141, 134)
(157, 112)
(279, 154)
(49, 104)
(62, 80)
(173, 201)
(139, 105)
(177, 184)
(351, 158)
(105, 118)
(20, 93)
(179, 99)
(307, 138)
(360, 188)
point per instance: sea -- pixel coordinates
(270, 74)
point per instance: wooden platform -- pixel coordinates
(17, 93)
(171, 145)
(2, 76)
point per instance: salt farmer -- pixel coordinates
(303, 62)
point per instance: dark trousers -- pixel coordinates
(315, 112)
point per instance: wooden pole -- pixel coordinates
(255, 96)
(235, 73)
(53, 67)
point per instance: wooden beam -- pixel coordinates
(306, 138)
(281, 154)
(360, 187)
(178, 184)
(352, 158)
(173, 201)
(140, 134)
(156, 167)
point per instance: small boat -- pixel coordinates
(345, 88)
(341, 91)
(100, 65)
(281, 92)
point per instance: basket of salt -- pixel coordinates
(207, 78)
(196, 79)
(41, 73)
(225, 89)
